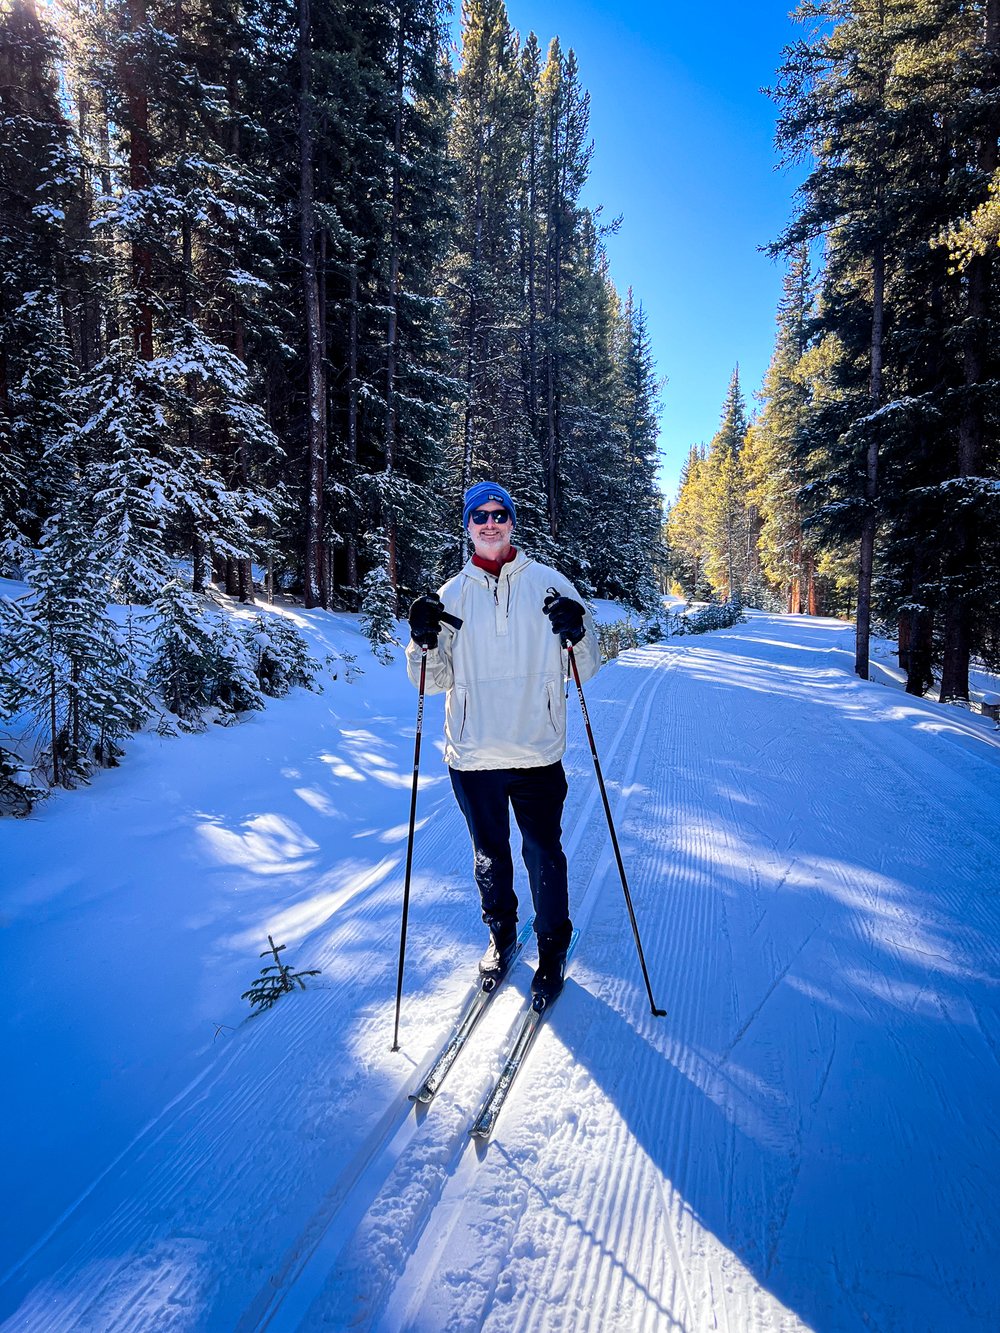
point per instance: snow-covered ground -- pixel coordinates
(807, 1140)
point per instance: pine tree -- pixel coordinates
(896, 104)
(564, 107)
(418, 390)
(482, 276)
(642, 507)
(771, 456)
(726, 518)
(173, 389)
(68, 670)
(837, 104)
(687, 529)
(378, 613)
(199, 658)
(40, 182)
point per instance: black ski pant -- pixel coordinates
(536, 796)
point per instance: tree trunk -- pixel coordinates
(866, 558)
(553, 289)
(238, 329)
(53, 714)
(191, 394)
(315, 563)
(472, 330)
(903, 640)
(470, 375)
(245, 564)
(920, 635)
(975, 334)
(137, 101)
(532, 273)
(392, 337)
(199, 575)
(351, 543)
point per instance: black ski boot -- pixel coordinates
(500, 950)
(548, 979)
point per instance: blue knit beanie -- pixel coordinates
(477, 495)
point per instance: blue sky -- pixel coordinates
(684, 149)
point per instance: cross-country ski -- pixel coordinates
(483, 992)
(536, 1012)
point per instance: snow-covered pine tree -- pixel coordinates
(568, 241)
(592, 463)
(483, 281)
(727, 518)
(65, 667)
(172, 409)
(637, 551)
(40, 182)
(418, 391)
(378, 613)
(280, 655)
(200, 659)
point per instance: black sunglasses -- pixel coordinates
(483, 516)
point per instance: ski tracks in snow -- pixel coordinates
(804, 1141)
(439, 1172)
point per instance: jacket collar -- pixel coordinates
(512, 567)
(494, 566)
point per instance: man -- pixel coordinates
(505, 720)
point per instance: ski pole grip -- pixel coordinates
(554, 596)
(454, 621)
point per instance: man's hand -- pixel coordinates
(425, 619)
(566, 616)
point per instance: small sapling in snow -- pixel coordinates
(275, 979)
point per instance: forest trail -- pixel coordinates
(805, 1141)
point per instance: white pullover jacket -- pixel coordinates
(504, 670)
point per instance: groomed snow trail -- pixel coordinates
(807, 1140)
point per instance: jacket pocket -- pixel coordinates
(456, 713)
(554, 698)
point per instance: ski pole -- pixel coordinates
(457, 624)
(657, 1013)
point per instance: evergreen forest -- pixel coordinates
(278, 280)
(867, 484)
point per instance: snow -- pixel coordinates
(807, 1140)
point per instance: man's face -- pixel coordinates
(491, 538)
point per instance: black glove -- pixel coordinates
(566, 616)
(425, 619)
